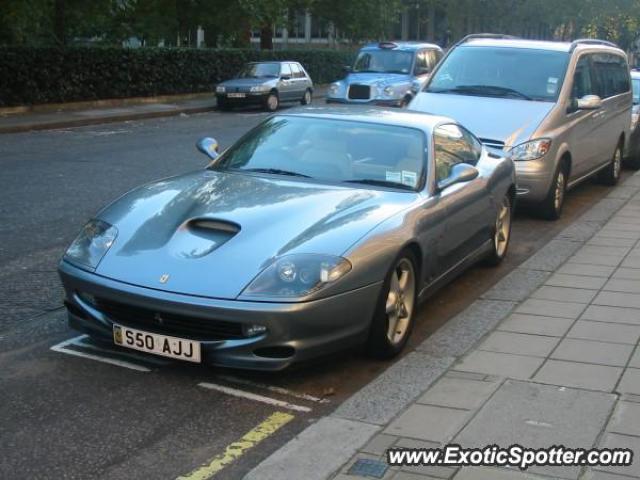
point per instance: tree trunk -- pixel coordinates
(266, 37)
(58, 21)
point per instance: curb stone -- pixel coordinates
(390, 394)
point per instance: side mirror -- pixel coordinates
(461, 172)
(589, 102)
(209, 147)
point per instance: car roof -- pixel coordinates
(403, 46)
(535, 44)
(400, 118)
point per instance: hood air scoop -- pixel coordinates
(200, 236)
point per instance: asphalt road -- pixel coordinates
(72, 417)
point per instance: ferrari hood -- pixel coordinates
(511, 121)
(210, 233)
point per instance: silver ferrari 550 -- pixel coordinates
(319, 229)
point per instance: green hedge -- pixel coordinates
(51, 75)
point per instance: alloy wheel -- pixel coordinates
(272, 102)
(617, 163)
(503, 228)
(307, 97)
(400, 301)
(560, 190)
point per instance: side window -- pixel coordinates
(582, 81)
(453, 145)
(432, 58)
(422, 62)
(285, 69)
(297, 73)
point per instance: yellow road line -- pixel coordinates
(236, 449)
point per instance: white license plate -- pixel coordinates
(236, 95)
(164, 345)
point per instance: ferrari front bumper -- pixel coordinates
(294, 331)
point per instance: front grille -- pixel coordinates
(359, 92)
(497, 144)
(168, 323)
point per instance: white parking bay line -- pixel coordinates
(273, 388)
(252, 396)
(76, 341)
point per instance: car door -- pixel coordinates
(585, 138)
(299, 81)
(467, 204)
(287, 87)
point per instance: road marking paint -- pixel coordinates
(273, 388)
(235, 450)
(61, 348)
(156, 361)
(252, 396)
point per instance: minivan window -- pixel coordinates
(523, 73)
(582, 79)
(612, 74)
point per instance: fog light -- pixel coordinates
(253, 330)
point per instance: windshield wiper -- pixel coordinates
(276, 171)
(492, 90)
(380, 183)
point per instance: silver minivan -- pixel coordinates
(561, 110)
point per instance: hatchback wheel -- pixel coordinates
(273, 102)
(611, 174)
(393, 320)
(552, 205)
(502, 232)
(307, 98)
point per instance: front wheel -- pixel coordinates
(393, 319)
(611, 174)
(501, 232)
(272, 102)
(553, 203)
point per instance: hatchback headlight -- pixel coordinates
(530, 150)
(220, 89)
(93, 242)
(294, 276)
(259, 88)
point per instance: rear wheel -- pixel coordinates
(502, 232)
(611, 174)
(393, 320)
(551, 207)
(272, 102)
(307, 98)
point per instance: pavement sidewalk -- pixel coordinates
(548, 356)
(119, 111)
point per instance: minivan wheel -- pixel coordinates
(393, 319)
(272, 102)
(611, 174)
(501, 232)
(307, 98)
(551, 207)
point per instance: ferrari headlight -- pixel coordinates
(93, 242)
(294, 276)
(220, 89)
(531, 150)
(333, 88)
(259, 88)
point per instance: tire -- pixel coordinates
(272, 102)
(611, 174)
(397, 301)
(501, 232)
(307, 98)
(551, 207)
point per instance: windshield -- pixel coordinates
(635, 83)
(522, 73)
(257, 70)
(330, 150)
(383, 61)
